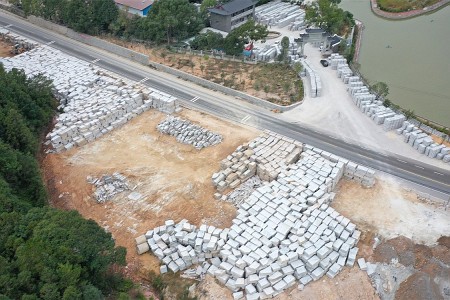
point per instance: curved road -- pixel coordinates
(199, 98)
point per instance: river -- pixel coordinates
(411, 56)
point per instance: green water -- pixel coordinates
(411, 56)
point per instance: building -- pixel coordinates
(230, 15)
(135, 7)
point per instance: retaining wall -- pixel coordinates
(90, 40)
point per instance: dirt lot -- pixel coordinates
(173, 178)
(391, 211)
(5, 49)
(276, 83)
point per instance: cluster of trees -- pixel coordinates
(327, 15)
(88, 16)
(44, 253)
(234, 42)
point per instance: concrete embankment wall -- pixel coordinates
(90, 40)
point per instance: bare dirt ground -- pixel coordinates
(174, 179)
(5, 49)
(276, 83)
(350, 284)
(391, 211)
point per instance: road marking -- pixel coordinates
(402, 161)
(439, 173)
(95, 60)
(419, 167)
(246, 118)
(143, 80)
(49, 43)
(7, 26)
(195, 99)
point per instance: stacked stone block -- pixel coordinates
(284, 233)
(93, 101)
(386, 117)
(265, 156)
(314, 79)
(423, 143)
(281, 14)
(187, 133)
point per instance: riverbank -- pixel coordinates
(406, 14)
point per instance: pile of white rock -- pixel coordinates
(242, 192)
(385, 116)
(187, 133)
(423, 143)
(281, 14)
(265, 156)
(108, 186)
(93, 101)
(314, 79)
(284, 233)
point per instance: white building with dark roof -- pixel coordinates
(230, 15)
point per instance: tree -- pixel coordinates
(207, 41)
(238, 37)
(170, 20)
(381, 89)
(284, 48)
(328, 16)
(207, 4)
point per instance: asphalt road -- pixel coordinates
(417, 172)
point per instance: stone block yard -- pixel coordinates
(250, 214)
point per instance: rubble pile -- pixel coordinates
(108, 186)
(284, 233)
(240, 194)
(187, 133)
(19, 44)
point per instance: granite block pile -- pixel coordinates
(107, 186)
(390, 120)
(242, 192)
(265, 156)
(281, 14)
(271, 52)
(314, 79)
(423, 143)
(94, 101)
(285, 233)
(187, 133)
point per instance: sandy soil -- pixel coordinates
(335, 113)
(351, 283)
(5, 49)
(173, 178)
(391, 211)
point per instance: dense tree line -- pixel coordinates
(44, 253)
(88, 16)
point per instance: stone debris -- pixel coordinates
(284, 232)
(108, 186)
(19, 43)
(240, 194)
(381, 115)
(93, 101)
(187, 133)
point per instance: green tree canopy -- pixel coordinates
(381, 89)
(238, 37)
(327, 15)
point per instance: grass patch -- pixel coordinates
(404, 5)
(171, 286)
